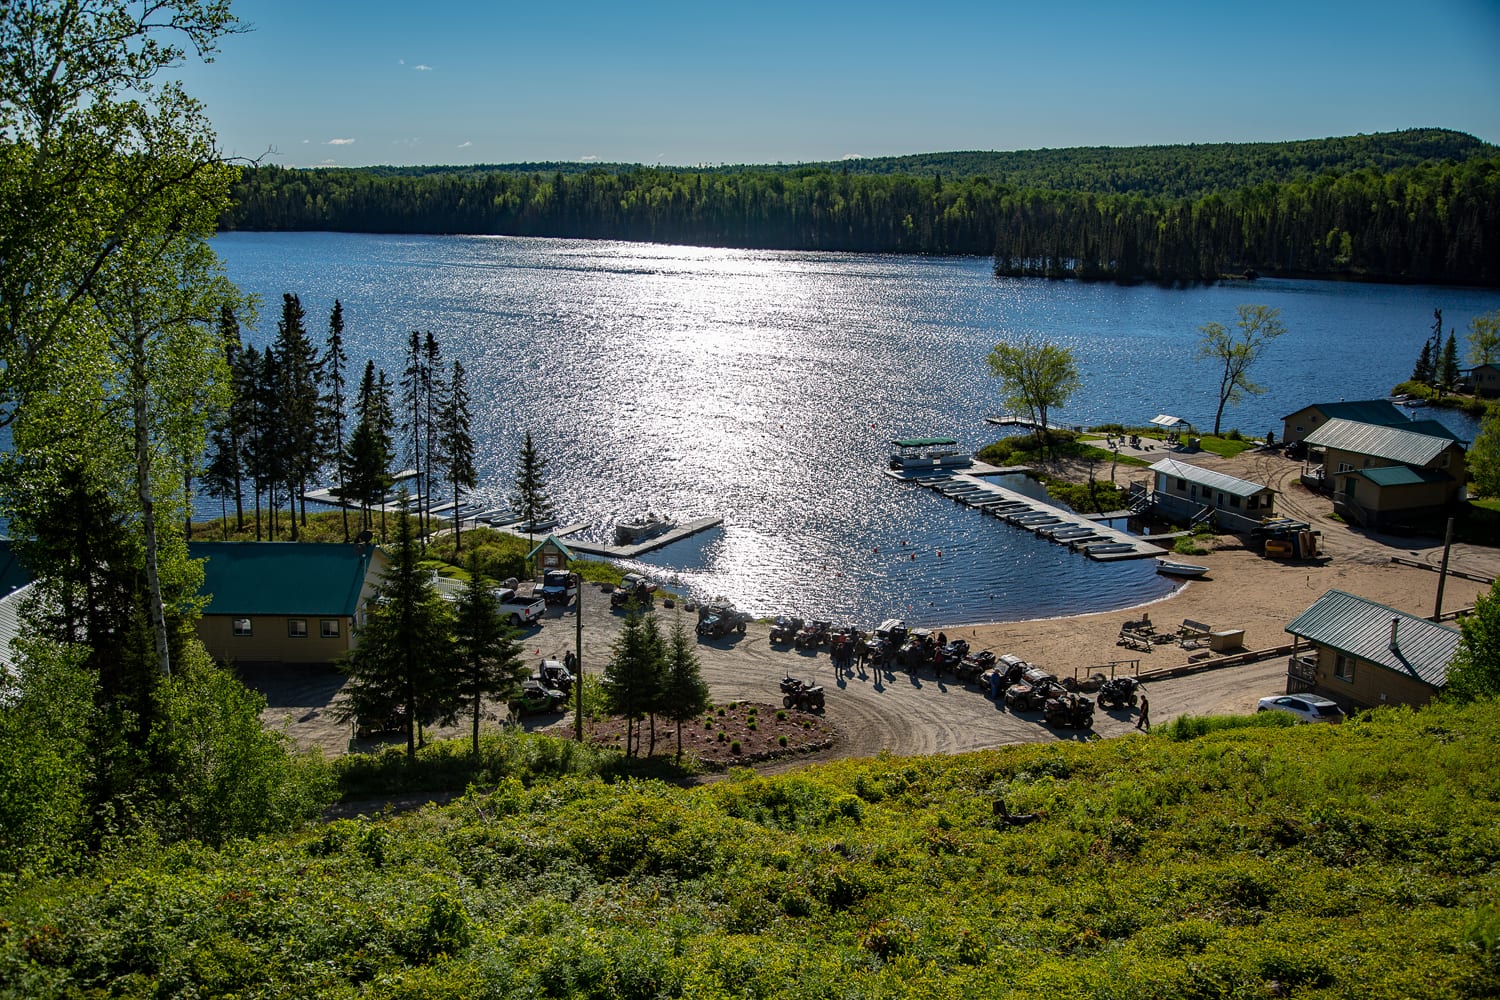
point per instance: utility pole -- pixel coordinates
(1437, 612)
(578, 660)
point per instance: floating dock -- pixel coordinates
(605, 551)
(1080, 532)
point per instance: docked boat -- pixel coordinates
(637, 531)
(927, 454)
(1170, 568)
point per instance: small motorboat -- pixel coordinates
(1170, 568)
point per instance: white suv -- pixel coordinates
(1306, 707)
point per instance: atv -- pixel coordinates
(1069, 711)
(1118, 692)
(785, 629)
(802, 695)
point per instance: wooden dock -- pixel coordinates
(1080, 532)
(604, 551)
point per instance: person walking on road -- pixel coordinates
(1144, 722)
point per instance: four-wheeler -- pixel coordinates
(893, 633)
(1006, 671)
(973, 665)
(814, 633)
(1118, 692)
(555, 674)
(918, 649)
(559, 586)
(801, 694)
(1068, 710)
(951, 655)
(537, 697)
(634, 589)
(785, 628)
(719, 617)
(1032, 690)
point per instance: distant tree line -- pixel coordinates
(1181, 171)
(1432, 222)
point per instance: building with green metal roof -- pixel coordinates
(1424, 470)
(1362, 653)
(1297, 425)
(284, 602)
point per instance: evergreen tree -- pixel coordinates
(1422, 373)
(456, 445)
(335, 363)
(414, 380)
(530, 498)
(1448, 365)
(433, 399)
(683, 692)
(299, 403)
(368, 453)
(232, 462)
(631, 679)
(489, 664)
(403, 669)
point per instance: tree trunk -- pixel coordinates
(476, 723)
(143, 492)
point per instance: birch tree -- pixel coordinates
(1237, 350)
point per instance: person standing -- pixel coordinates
(1144, 722)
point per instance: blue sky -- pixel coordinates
(362, 82)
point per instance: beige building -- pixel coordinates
(1190, 494)
(1362, 654)
(284, 602)
(1298, 425)
(1382, 475)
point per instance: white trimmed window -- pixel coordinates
(242, 626)
(296, 628)
(329, 628)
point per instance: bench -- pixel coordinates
(1193, 634)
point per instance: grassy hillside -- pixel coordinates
(1264, 861)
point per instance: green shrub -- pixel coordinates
(734, 747)
(1187, 547)
(780, 715)
(781, 741)
(1190, 727)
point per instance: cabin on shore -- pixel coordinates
(1380, 475)
(1481, 380)
(1193, 494)
(1299, 424)
(285, 602)
(1362, 654)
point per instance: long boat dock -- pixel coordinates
(1080, 532)
(604, 551)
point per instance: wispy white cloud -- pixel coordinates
(465, 144)
(339, 142)
(400, 62)
(422, 68)
(591, 158)
(852, 156)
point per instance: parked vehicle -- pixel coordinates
(951, 655)
(1118, 692)
(893, 632)
(720, 618)
(1007, 670)
(518, 611)
(1032, 691)
(559, 586)
(537, 697)
(813, 634)
(1069, 711)
(972, 666)
(555, 674)
(635, 589)
(1306, 707)
(919, 648)
(785, 629)
(801, 694)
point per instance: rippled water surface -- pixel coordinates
(765, 387)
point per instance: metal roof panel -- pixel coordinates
(1362, 628)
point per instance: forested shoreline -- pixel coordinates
(1407, 219)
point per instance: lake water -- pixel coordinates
(765, 387)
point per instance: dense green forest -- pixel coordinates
(1264, 861)
(1409, 207)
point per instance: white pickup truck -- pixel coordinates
(520, 612)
